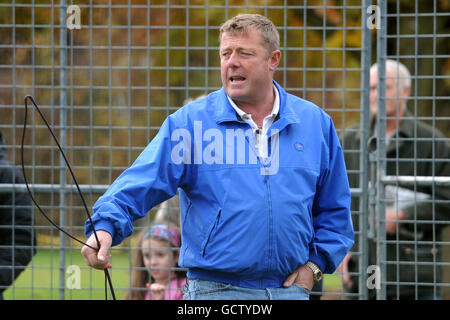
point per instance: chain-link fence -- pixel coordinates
(107, 73)
(413, 164)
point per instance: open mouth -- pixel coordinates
(236, 79)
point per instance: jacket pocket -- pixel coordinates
(210, 232)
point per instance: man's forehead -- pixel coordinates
(393, 74)
(389, 76)
(232, 37)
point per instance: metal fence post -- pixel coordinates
(62, 139)
(365, 127)
(381, 148)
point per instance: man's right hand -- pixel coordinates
(344, 272)
(98, 259)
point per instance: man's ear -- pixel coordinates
(274, 60)
(406, 92)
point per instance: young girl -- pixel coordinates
(154, 265)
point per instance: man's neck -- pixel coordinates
(258, 110)
(394, 123)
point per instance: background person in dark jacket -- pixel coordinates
(16, 234)
(414, 226)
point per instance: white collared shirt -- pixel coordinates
(260, 133)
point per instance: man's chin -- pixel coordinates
(236, 96)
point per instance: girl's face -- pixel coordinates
(158, 257)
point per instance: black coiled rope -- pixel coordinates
(107, 277)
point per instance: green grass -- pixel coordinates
(332, 283)
(40, 281)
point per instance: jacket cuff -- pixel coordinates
(409, 212)
(103, 225)
(318, 259)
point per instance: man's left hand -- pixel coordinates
(392, 218)
(302, 276)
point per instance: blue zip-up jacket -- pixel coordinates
(245, 221)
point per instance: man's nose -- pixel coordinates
(233, 61)
(373, 91)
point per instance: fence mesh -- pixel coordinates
(414, 180)
(107, 73)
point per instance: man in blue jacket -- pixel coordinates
(264, 194)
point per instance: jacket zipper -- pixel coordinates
(270, 227)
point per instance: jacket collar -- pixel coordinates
(224, 111)
(406, 126)
(3, 154)
(406, 130)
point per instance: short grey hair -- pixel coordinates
(243, 23)
(402, 75)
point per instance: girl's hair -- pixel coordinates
(140, 276)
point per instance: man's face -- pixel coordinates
(246, 69)
(394, 97)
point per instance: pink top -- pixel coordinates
(174, 290)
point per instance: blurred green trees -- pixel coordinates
(133, 63)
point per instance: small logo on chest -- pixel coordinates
(298, 146)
